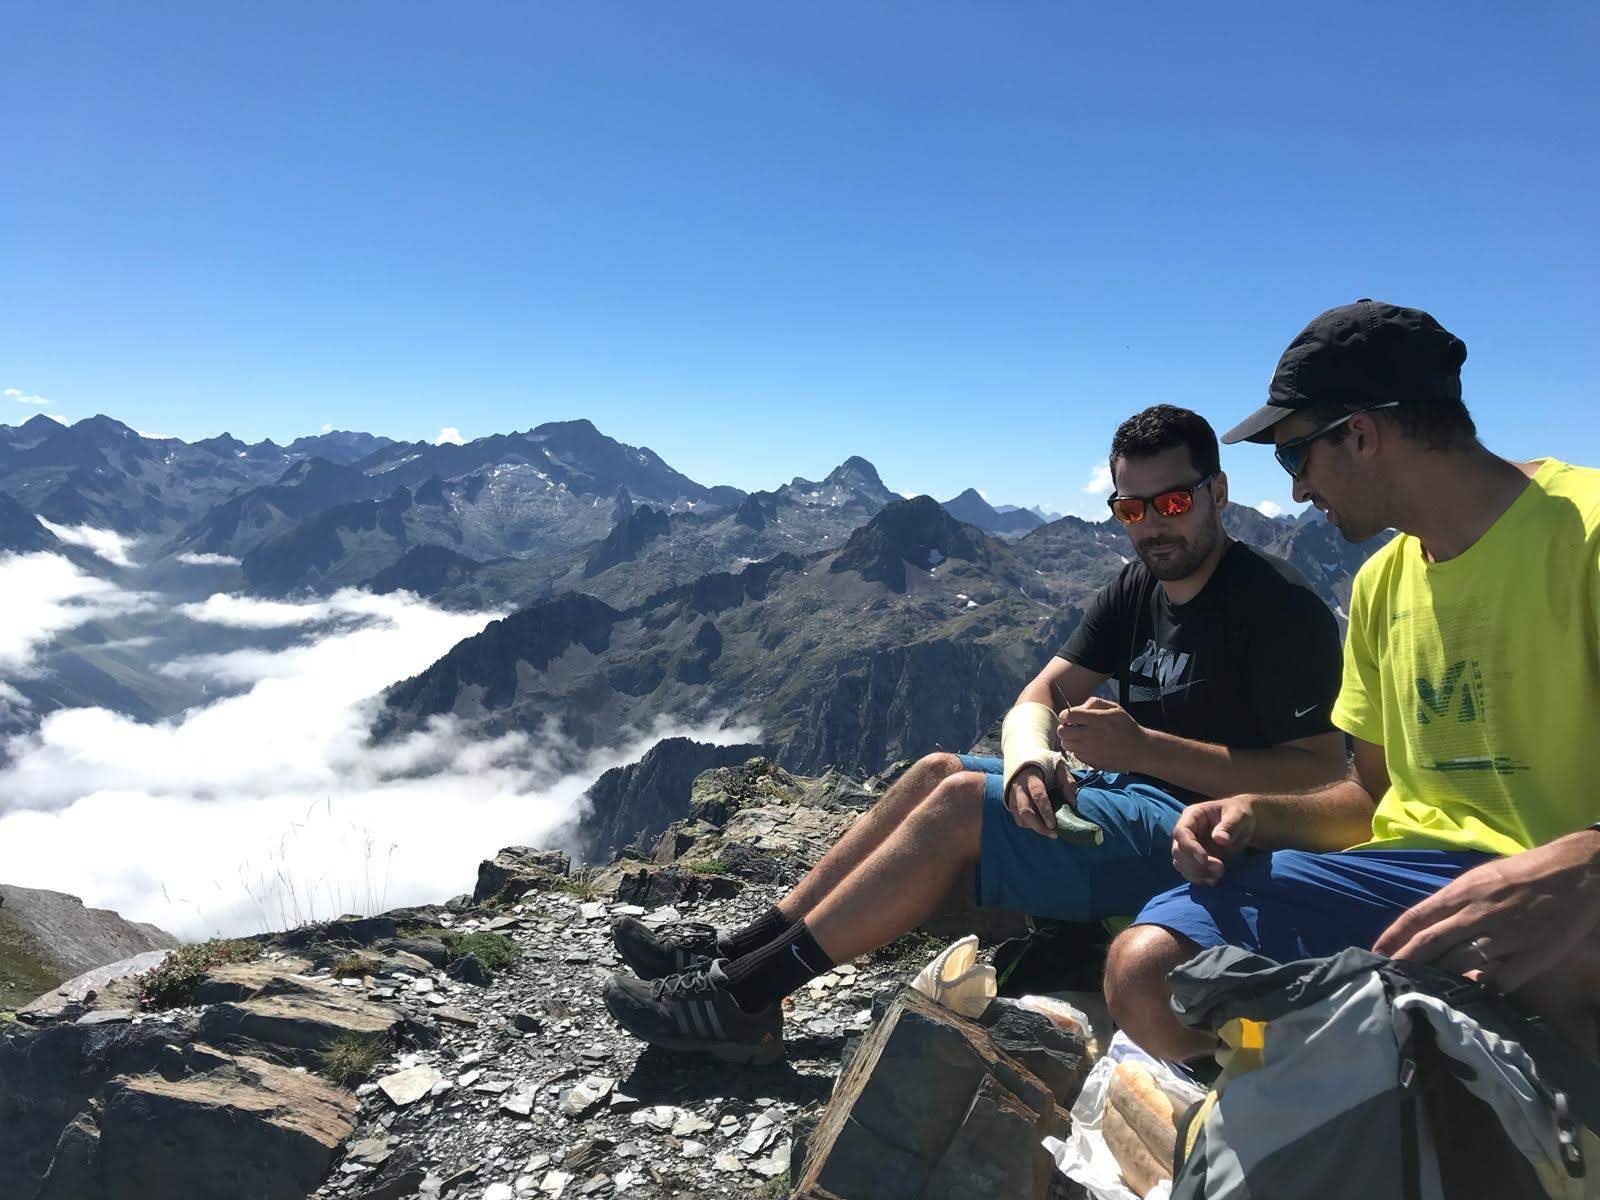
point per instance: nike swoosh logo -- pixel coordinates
(1300, 712)
(798, 959)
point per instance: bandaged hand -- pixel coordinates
(1027, 798)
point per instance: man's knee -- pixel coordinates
(1136, 988)
(953, 811)
(938, 766)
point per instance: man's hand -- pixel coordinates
(1028, 799)
(1102, 734)
(1209, 832)
(1509, 921)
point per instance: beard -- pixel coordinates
(1169, 558)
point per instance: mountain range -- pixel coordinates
(853, 625)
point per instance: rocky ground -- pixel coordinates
(457, 1050)
(532, 1090)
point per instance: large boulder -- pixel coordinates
(633, 804)
(517, 870)
(243, 1128)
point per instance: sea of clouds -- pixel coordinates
(267, 806)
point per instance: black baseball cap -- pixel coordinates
(1361, 355)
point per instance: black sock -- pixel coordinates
(769, 925)
(765, 976)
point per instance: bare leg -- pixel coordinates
(1139, 998)
(868, 832)
(905, 877)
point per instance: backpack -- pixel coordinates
(1355, 1075)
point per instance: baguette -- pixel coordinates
(1139, 1100)
(1141, 1169)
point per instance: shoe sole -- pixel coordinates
(762, 1054)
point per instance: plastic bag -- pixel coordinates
(957, 980)
(1084, 1157)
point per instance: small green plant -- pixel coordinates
(7, 1015)
(916, 945)
(581, 888)
(777, 1188)
(354, 966)
(172, 981)
(710, 866)
(351, 1059)
(493, 950)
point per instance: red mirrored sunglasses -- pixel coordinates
(1130, 509)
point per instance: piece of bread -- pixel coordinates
(1136, 1095)
(1141, 1169)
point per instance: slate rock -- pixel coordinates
(468, 969)
(245, 1128)
(903, 1106)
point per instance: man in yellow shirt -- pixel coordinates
(1467, 832)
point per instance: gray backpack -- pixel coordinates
(1358, 1076)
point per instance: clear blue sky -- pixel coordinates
(962, 240)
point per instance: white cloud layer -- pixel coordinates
(107, 543)
(45, 595)
(269, 807)
(190, 559)
(22, 397)
(451, 436)
(1099, 480)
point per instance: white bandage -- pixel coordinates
(1026, 740)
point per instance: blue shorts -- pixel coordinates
(1292, 904)
(1026, 871)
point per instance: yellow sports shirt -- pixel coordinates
(1480, 676)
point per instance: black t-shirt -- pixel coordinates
(1251, 661)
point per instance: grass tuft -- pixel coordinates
(711, 866)
(493, 950)
(355, 966)
(351, 1059)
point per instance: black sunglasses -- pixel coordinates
(1292, 455)
(1173, 503)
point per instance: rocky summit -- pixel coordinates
(462, 1050)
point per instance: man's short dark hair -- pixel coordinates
(1435, 424)
(1162, 427)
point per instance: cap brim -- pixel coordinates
(1257, 426)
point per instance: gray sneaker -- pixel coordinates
(694, 1012)
(657, 953)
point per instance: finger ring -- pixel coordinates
(1480, 947)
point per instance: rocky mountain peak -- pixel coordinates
(919, 532)
(971, 507)
(627, 538)
(856, 472)
(104, 430)
(40, 426)
(224, 445)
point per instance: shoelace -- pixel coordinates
(685, 983)
(682, 937)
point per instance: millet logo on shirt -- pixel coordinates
(1458, 693)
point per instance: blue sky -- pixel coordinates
(962, 240)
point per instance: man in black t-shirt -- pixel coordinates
(1225, 666)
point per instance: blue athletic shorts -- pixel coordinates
(1026, 871)
(1292, 904)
